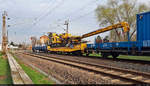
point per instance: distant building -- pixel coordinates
(12, 47)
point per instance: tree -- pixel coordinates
(33, 41)
(117, 11)
(20, 45)
(12, 43)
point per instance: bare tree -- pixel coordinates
(34, 41)
(117, 11)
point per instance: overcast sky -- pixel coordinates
(37, 17)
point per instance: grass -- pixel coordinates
(145, 58)
(5, 74)
(35, 76)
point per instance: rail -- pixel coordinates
(123, 74)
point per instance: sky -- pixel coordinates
(37, 17)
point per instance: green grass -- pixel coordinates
(35, 76)
(5, 74)
(146, 58)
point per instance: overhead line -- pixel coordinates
(82, 16)
(79, 9)
(49, 12)
(45, 9)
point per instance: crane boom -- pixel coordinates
(123, 25)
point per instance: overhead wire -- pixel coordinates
(80, 9)
(54, 8)
(49, 12)
(21, 23)
(81, 16)
(48, 7)
(84, 15)
(83, 7)
(36, 18)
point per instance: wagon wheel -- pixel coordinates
(115, 55)
(87, 54)
(104, 55)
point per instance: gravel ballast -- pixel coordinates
(67, 74)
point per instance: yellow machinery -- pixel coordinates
(123, 25)
(66, 43)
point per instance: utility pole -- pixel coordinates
(67, 24)
(4, 33)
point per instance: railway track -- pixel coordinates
(116, 73)
(127, 64)
(122, 60)
(142, 62)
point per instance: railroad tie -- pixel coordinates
(106, 77)
(138, 77)
(148, 81)
(126, 75)
(119, 73)
(111, 71)
(115, 80)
